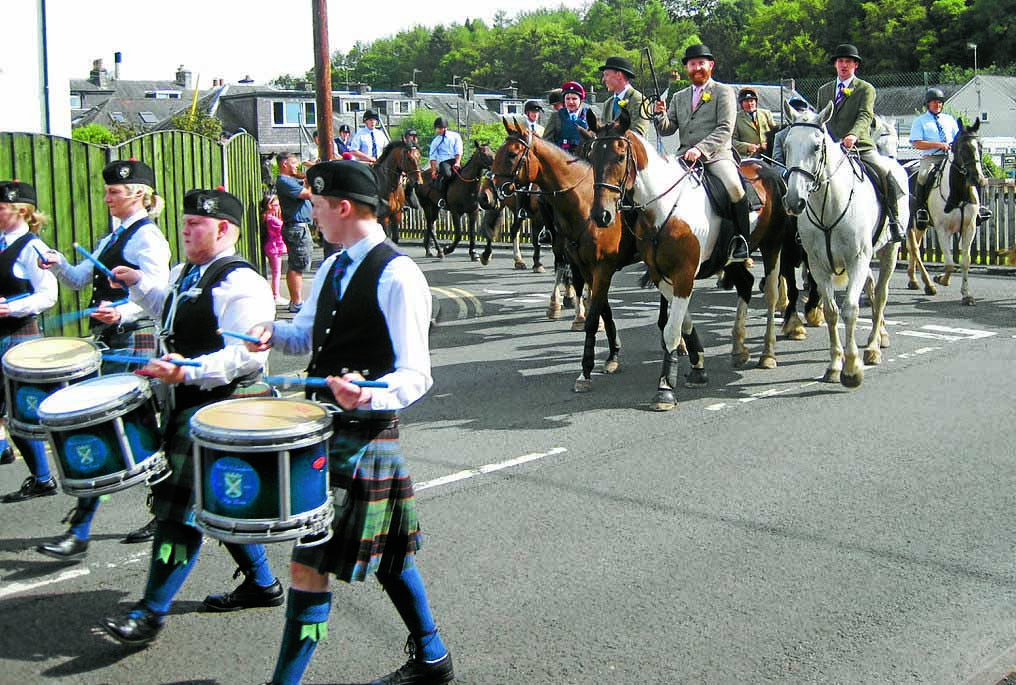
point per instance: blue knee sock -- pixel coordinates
(175, 548)
(81, 517)
(34, 454)
(306, 623)
(253, 562)
(410, 599)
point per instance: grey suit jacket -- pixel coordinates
(855, 115)
(710, 127)
(633, 103)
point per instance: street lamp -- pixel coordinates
(977, 81)
(973, 46)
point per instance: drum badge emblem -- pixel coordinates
(234, 484)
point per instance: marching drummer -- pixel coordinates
(119, 325)
(25, 292)
(369, 310)
(215, 289)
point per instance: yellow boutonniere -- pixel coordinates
(706, 97)
(622, 103)
(847, 92)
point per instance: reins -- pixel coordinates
(502, 191)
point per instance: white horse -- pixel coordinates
(887, 140)
(953, 206)
(838, 216)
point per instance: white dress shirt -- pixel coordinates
(27, 266)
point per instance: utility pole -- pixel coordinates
(322, 79)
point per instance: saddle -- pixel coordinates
(958, 193)
(719, 200)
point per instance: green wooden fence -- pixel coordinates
(67, 175)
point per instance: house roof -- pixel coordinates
(131, 102)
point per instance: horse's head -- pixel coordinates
(966, 153)
(887, 139)
(612, 154)
(487, 196)
(806, 153)
(410, 163)
(512, 165)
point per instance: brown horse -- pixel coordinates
(595, 253)
(678, 233)
(398, 161)
(460, 200)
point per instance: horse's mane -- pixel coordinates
(389, 149)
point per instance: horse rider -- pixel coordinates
(343, 139)
(412, 139)
(445, 158)
(563, 127)
(705, 113)
(800, 105)
(533, 110)
(752, 125)
(852, 122)
(617, 74)
(555, 99)
(933, 133)
(370, 140)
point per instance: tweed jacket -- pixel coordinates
(709, 128)
(747, 131)
(855, 115)
(633, 100)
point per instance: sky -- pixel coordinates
(231, 39)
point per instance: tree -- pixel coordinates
(96, 134)
(199, 122)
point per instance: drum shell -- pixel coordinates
(235, 467)
(109, 445)
(35, 369)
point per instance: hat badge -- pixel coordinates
(12, 194)
(124, 171)
(319, 184)
(208, 205)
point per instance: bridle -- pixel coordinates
(511, 186)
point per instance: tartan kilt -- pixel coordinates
(375, 529)
(29, 331)
(141, 342)
(173, 497)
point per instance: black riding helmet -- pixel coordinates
(934, 94)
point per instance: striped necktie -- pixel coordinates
(938, 125)
(617, 106)
(342, 263)
(696, 97)
(839, 94)
(373, 145)
(190, 280)
(3, 243)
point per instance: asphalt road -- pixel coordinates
(770, 529)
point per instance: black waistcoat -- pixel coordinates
(111, 256)
(194, 329)
(10, 285)
(351, 333)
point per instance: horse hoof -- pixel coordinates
(538, 269)
(473, 257)
(682, 349)
(664, 400)
(871, 358)
(831, 376)
(696, 378)
(968, 300)
(795, 332)
(569, 303)
(851, 380)
(941, 280)
(428, 253)
(912, 285)
(611, 366)
(520, 266)
(583, 384)
(930, 290)
(739, 359)
(484, 260)
(766, 363)
(578, 325)
(553, 312)
(815, 318)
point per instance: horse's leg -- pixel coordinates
(915, 263)
(945, 240)
(743, 281)
(597, 306)
(814, 314)
(832, 316)
(472, 219)
(782, 296)
(966, 239)
(793, 327)
(697, 377)
(773, 286)
(554, 307)
(879, 336)
(853, 369)
(456, 234)
(670, 337)
(578, 290)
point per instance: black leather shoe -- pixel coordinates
(30, 489)
(7, 456)
(137, 627)
(983, 214)
(247, 596)
(143, 534)
(67, 548)
(738, 250)
(895, 234)
(418, 672)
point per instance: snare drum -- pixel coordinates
(261, 470)
(35, 369)
(105, 434)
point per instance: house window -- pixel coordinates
(75, 101)
(118, 117)
(511, 108)
(984, 116)
(402, 107)
(353, 106)
(162, 94)
(148, 117)
(289, 113)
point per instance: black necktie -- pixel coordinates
(342, 263)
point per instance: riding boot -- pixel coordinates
(983, 214)
(921, 217)
(442, 190)
(738, 249)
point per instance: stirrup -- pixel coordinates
(983, 214)
(441, 204)
(738, 250)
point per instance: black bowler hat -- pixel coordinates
(17, 191)
(128, 171)
(555, 96)
(371, 114)
(845, 50)
(440, 123)
(216, 203)
(697, 51)
(344, 179)
(532, 106)
(618, 63)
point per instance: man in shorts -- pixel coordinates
(294, 199)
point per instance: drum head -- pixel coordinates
(52, 357)
(259, 419)
(94, 396)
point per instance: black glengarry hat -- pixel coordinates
(216, 203)
(18, 192)
(344, 179)
(128, 171)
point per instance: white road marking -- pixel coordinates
(489, 468)
(15, 588)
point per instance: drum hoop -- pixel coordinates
(91, 361)
(96, 414)
(306, 431)
(266, 443)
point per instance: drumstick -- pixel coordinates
(92, 310)
(99, 265)
(14, 298)
(42, 255)
(131, 359)
(240, 336)
(316, 382)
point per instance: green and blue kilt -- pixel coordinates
(29, 331)
(140, 341)
(173, 497)
(375, 526)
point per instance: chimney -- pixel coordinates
(410, 89)
(117, 59)
(246, 79)
(361, 88)
(183, 77)
(98, 75)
